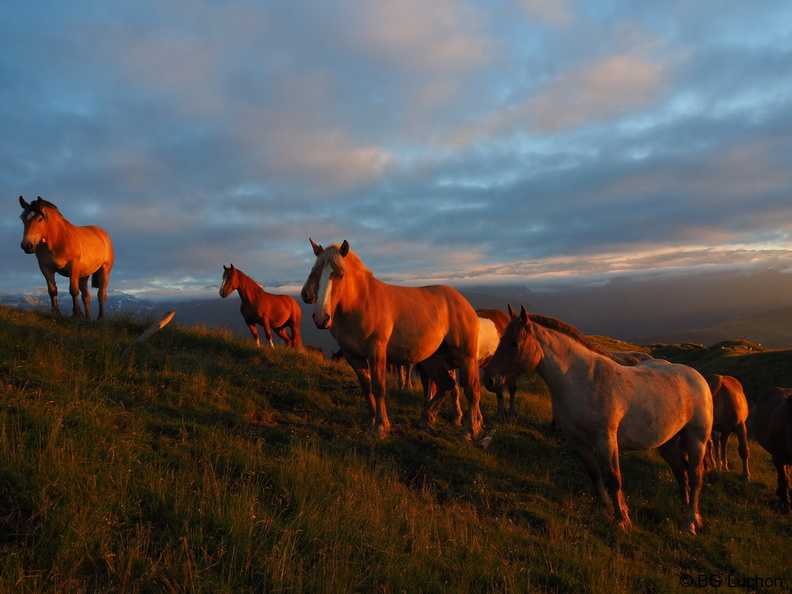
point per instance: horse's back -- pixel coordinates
(667, 398)
(497, 316)
(773, 423)
(418, 321)
(95, 246)
(729, 405)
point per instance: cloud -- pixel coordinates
(452, 139)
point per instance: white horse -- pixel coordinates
(602, 406)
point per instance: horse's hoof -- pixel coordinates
(379, 432)
(625, 525)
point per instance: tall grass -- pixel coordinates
(202, 464)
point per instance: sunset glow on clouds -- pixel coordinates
(448, 142)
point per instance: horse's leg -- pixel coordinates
(607, 450)
(74, 289)
(296, 337)
(457, 420)
(284, 336)
(589, 458)
(695, 447)
(408, 380)
(435, 370)
(86, 296)
(426, 384)
(379, 387)
(783, 484)
(512, 417)
(267, 326)
(468, 377)
(675, 458)
(724, 441)
(101, 278)
(501, 404)
(254, 332)
(743, 450)
(52, 289)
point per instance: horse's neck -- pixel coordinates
(358, 293)
(247, 287)
(566, 362)
(57, 230)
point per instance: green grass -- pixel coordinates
(202, 464)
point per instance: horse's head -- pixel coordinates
(35, 217)
(518, 352)
(230, 281)
(322, 286)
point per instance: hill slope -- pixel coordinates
(200, 463)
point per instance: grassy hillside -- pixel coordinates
(202, 464)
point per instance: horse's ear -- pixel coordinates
(226, 267)
(512, 313)
(231, 267)
(344, 249)
(317, 249)
(23, 203)
(524, 316)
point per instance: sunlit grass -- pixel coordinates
(200, 463)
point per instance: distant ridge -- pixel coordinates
(704, 308)
(772, 328)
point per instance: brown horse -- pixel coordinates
(69, 250)
(272, 312)
(603, 407)
(729, 412)
(376, 323)
(773, 430)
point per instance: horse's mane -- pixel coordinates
(567, 329)
(332, 255)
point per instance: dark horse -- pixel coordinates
(69, 250)
(272, 312)
(773, 430)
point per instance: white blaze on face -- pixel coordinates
(322, 311)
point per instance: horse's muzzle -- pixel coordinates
(28, 247)
(322, 321)
(491, 383)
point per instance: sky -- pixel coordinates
(452, 141)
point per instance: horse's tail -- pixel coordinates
(95, 281)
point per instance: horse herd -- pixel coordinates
(603, 401)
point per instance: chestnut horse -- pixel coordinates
(272, 312)
(602, 406)
(773, 430)
(69, 250)
(729, 412)
(376, 323)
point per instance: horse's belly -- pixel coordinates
(643, 430)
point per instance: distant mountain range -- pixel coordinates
(704, 308)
